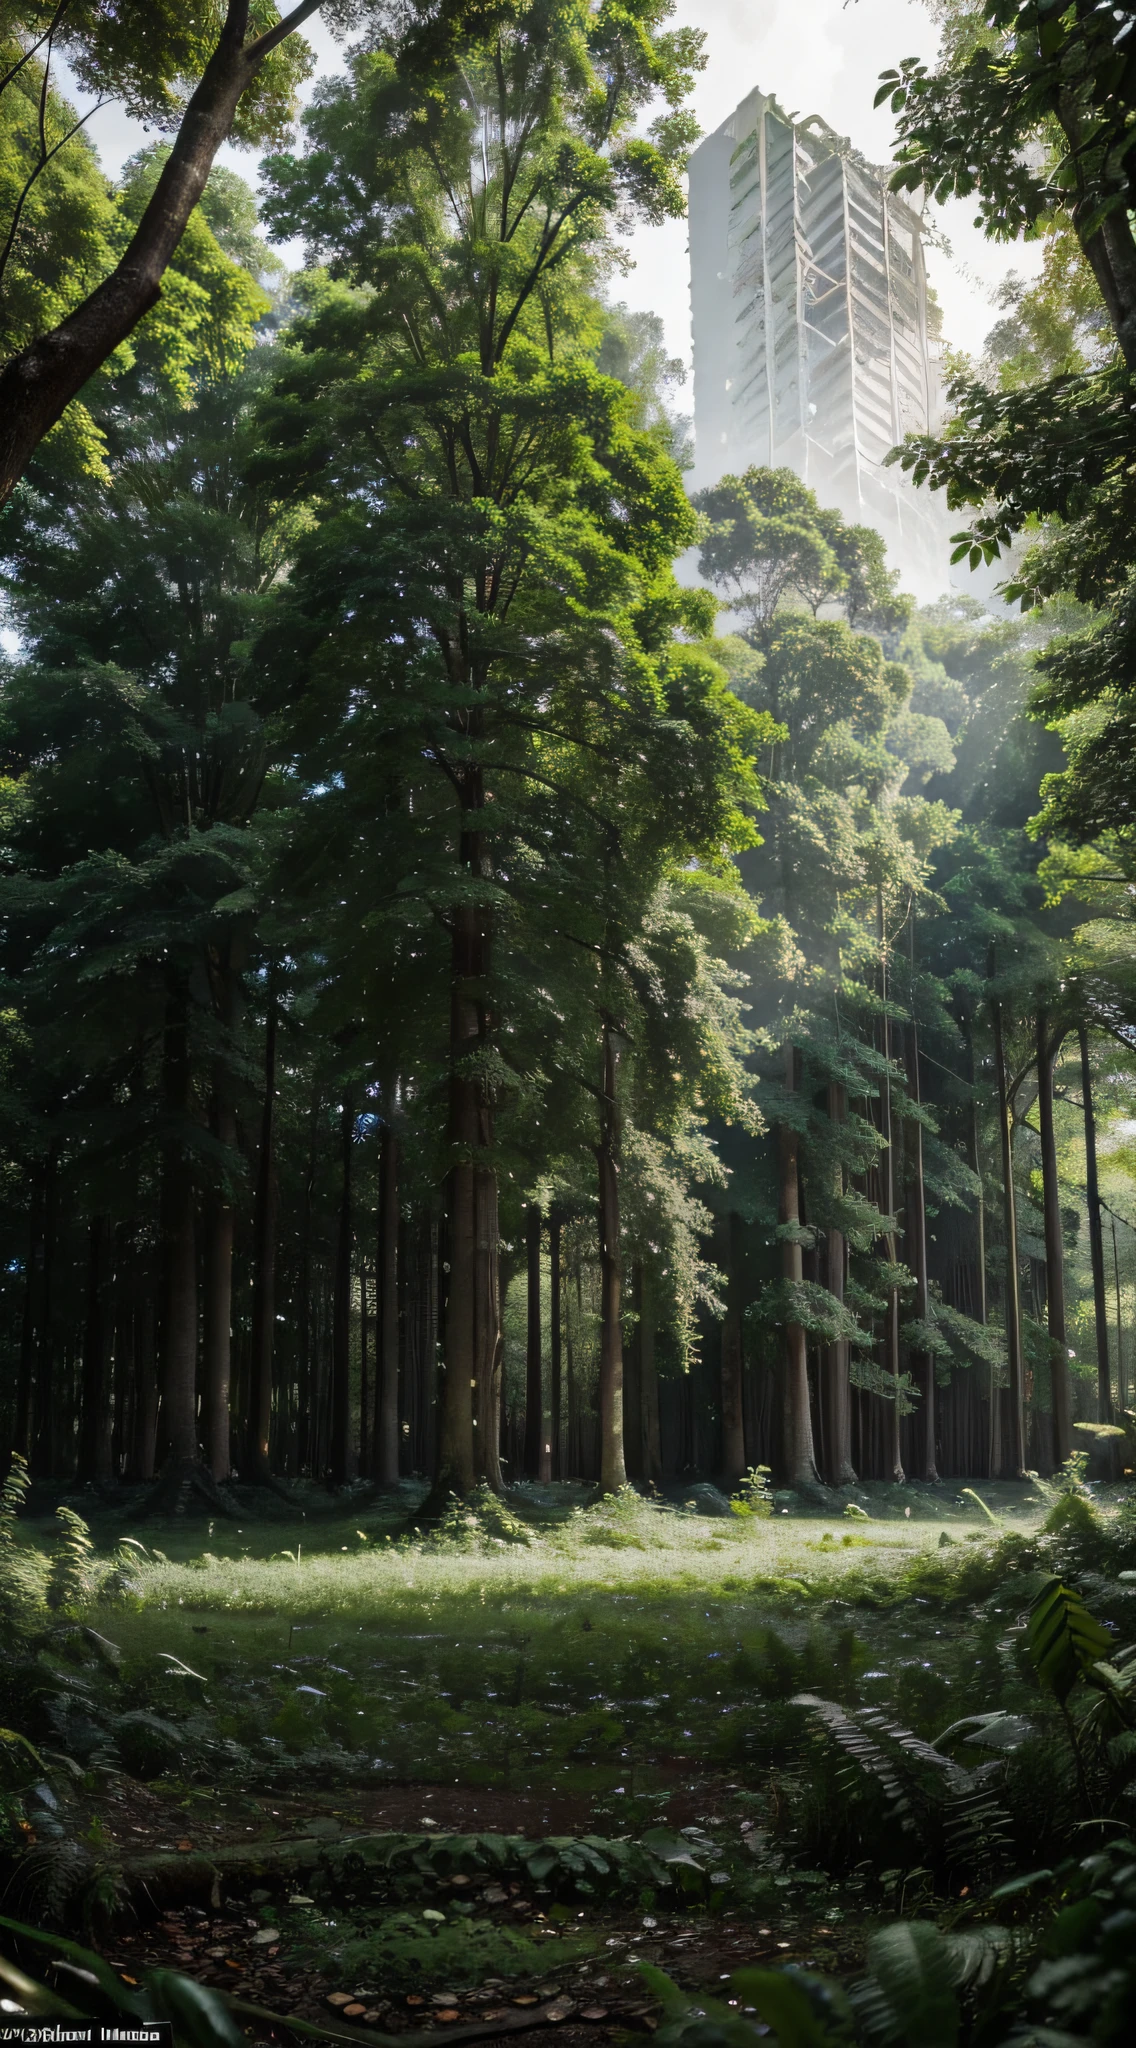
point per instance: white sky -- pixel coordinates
(819, 57)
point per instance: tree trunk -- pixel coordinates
(386, 1459)
(916, 1246)
(535, 1438)
(179, 1290)
(1015, 1449)
(342, 1446)
(366, 1430)
(733, 1361)
(1047, 1050)
(39, 383)
(33, 1284)
(96, 1419)
(613, 1470)
(258, 1426)
(798, 1457)
(43, 1403)
(1121, 1378)
(468, 1315)
(488, 1341)
(1096, 1240)
(217, 1318)
(836, 1390)
(893, 1459)
(648, 1379)
(556, 1341)
(144, 1436)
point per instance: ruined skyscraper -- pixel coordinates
(810, 324)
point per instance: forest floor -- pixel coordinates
(469, 1781)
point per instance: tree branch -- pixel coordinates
(38, 384)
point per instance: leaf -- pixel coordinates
(913, 1973)
(198, 2015)
(1063, 1638)
(784, 2004)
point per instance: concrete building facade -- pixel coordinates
(810, 325)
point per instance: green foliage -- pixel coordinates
(70, 1585)
(1065, 1641)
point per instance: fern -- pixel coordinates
(1063, 1638)
(20, 1590)
(70, 1581)
(13, 1495)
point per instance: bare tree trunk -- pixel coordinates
(258, 1430)
(38, 384)
(144, 1442)
(648, 1379)
(836, 1390)
(916, 1236)
(179, 1292)
(488, 1341)
(1016, 1447)
(1047, 1050)
(1121, 1377)
(893, 1458)
(43, 1403)
(33, 1283)
(342, 1446)
(1096, 1239)
(535, 1438)
(799, 1460)
(733, 1359)
(386, 1459)
(556, 1341)
(217, 1318)
(470, 1131)
(613, 1470)
(96, 1420)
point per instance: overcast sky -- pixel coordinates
(819, 57)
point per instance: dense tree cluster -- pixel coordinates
(473, 1004)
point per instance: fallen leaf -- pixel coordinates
(353, 2011)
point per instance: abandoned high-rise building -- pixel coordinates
(810, 324)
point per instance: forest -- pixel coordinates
(567, 1069)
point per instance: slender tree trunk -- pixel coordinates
(916, 1234)
(488, 1340)
(43, 1404)
(306, 1429)
(1096, 1239)
(893, 1459)
(535, 1438)
(144, 1441)
(1016, 1455)
(365, 1424)
(1047, 1050)
(33, 1283)
(799, 1459)
(96, 1417)
(217, 1317)
(386, 1312)
(470, 1132)
(733, 1362)
(258, 1428)
(342, 1446)
(836, 1391)
(648, 1379)
(613, 1470)
(179, 1292)
(556, 1340)
(1121, 1377)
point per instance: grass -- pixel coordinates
(608, 1656)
